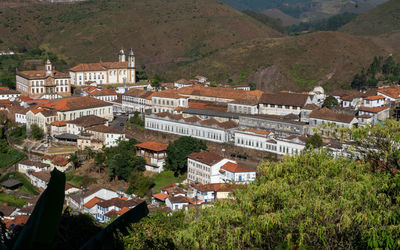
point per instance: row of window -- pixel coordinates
(281, 106)
(186, 131)
(256, 144)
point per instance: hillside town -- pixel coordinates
(88, 108)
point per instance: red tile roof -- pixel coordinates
(92, 202)
(42, 175)
(223, 93)
(169, 93)
(196, 104)
(101, 66)
(374, 109)
(206, 157)
(256, 131)
(105, 129)
(88, 121)
(285, 98)
(160, 196)
(375, 97)
(393, 92)
(19, 220)
(236, 168)
(118, 202)
(154, 146)
(59, 123)
(60, 161)
(41, 74)
(76, 103)
(327, 114)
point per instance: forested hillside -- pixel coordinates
(384, 19)
(160, 32)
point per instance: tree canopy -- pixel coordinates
(315, 141)
(36, 132)
(330, 102)
(306, 201)
(178, 151)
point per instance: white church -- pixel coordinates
(120, 72)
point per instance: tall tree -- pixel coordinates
(178, 151)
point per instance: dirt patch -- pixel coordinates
(89, 169)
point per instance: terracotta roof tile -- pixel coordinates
(92, 202)
(374, 109)
(327, 114)
(169, 93)
(41, 74)
(256, 131)
(195, 104)
(76, 103)
(7, 210)
(160, 196)
(154, 146)
(60, 161)
(88, 121)
(118, 202)
(34, 163)
(375, 97)
(285, 98)
(236, 168)
(223, 93)
(19, 220)
(42, 175)
(206, 157)
(7, 91)
(393, 92)
(105, 129)
(59, 123)
(178, 199)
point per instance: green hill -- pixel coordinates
(161, 32)
(383, 19)
(294, 63)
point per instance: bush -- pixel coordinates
(139, 184)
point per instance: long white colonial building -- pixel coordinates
(105, 72)
(210, 130)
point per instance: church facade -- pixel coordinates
(120, 72)
(48, 83)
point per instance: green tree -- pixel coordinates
(156, 80)
(36, 132)
(178, 151)
(74, 159)
(315, 141)
(253, 86)
(137, 120)
(389, 66)
(330, 102)
(139, 184)
(378, 145)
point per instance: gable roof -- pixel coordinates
(88, 121)
(169, 93)
(160, 196)
(41, 74)
(236, 168)
(7, 210)
(139, 93)
(118, 202)
(34, 163)
(100, 66)
(154, 146)
(93, 202)
(256, 131)
(373, 109)
(42, 175)
(285, 98)
(206, 157)
(218, 92)
(327, 114)
(104, 129)
(77, 103)
(178, 199)
(392, 92)
(375, 97)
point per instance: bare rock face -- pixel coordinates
(273, 79)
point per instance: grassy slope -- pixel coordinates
(329, 58)
(381, 20)
(10, 158)
(165, 178)
(160, 31)
(26, 188)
